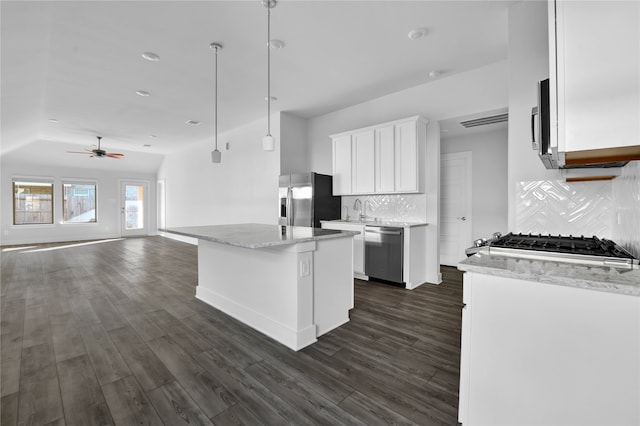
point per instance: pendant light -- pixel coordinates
(216, 156)
(268, 143)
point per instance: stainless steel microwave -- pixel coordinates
(541, 136)
(541, 128)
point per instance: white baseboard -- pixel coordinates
(293, 339)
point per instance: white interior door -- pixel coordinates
(134, 207)
(455, 207)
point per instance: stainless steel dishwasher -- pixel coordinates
(383, 253)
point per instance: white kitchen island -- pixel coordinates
(291, 283)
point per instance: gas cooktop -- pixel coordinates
(576, 249)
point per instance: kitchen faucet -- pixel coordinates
(363, 215)
(357, 205)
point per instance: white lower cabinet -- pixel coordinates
(547, 354)
(414, 248)
(358, 245)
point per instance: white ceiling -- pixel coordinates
(80, 62)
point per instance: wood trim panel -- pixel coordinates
(590, 178)
(605, 155)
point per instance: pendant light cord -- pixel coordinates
(268, 70)
(215, 116)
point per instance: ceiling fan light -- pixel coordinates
(268, 143)
(216, 156)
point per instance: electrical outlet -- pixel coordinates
(305, 268)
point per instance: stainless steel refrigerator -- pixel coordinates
(306, 199)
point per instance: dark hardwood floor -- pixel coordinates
(110, 333)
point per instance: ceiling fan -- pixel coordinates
(100, 153)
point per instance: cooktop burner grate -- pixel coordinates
(582, 250)
(592, 246)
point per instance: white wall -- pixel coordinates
(243, 188)
(479, 90)
(528, 64)
(108, 199)
(489, 179)
(294, 155)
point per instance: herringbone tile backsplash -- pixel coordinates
(557, 207)
(606, 209)
(399, 207)
(626, 221)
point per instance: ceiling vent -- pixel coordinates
(483, 121)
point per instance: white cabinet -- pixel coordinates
(594, 69)
(413, 269)
(363, 173)
(358, 256)
(540, 353)
(358, 244)
(342, 165)
(406, 158)
(383, 159)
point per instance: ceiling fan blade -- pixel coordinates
(80, 152)
(115, 155)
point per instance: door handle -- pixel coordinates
(462, 218)
(383, 232)
(534, 142)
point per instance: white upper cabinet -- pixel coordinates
(384, 159)
(363, 158)
(595, 75)
(342, 165)
(407, 174)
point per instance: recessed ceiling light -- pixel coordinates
(150, 56)
(276, 44)
(54, 120)
(192, 122)
(434, 74)
(273, 98)
(143, 93)
(417, 33)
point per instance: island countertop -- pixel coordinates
(601, 278)
(258, 235)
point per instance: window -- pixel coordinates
(79, 202)
(32, 202)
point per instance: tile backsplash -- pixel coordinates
(606, 209)
(400, 207)
(626, 221)
(557, 207)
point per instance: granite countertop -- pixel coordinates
(257, 235)
(601, 278)
(392, 223)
